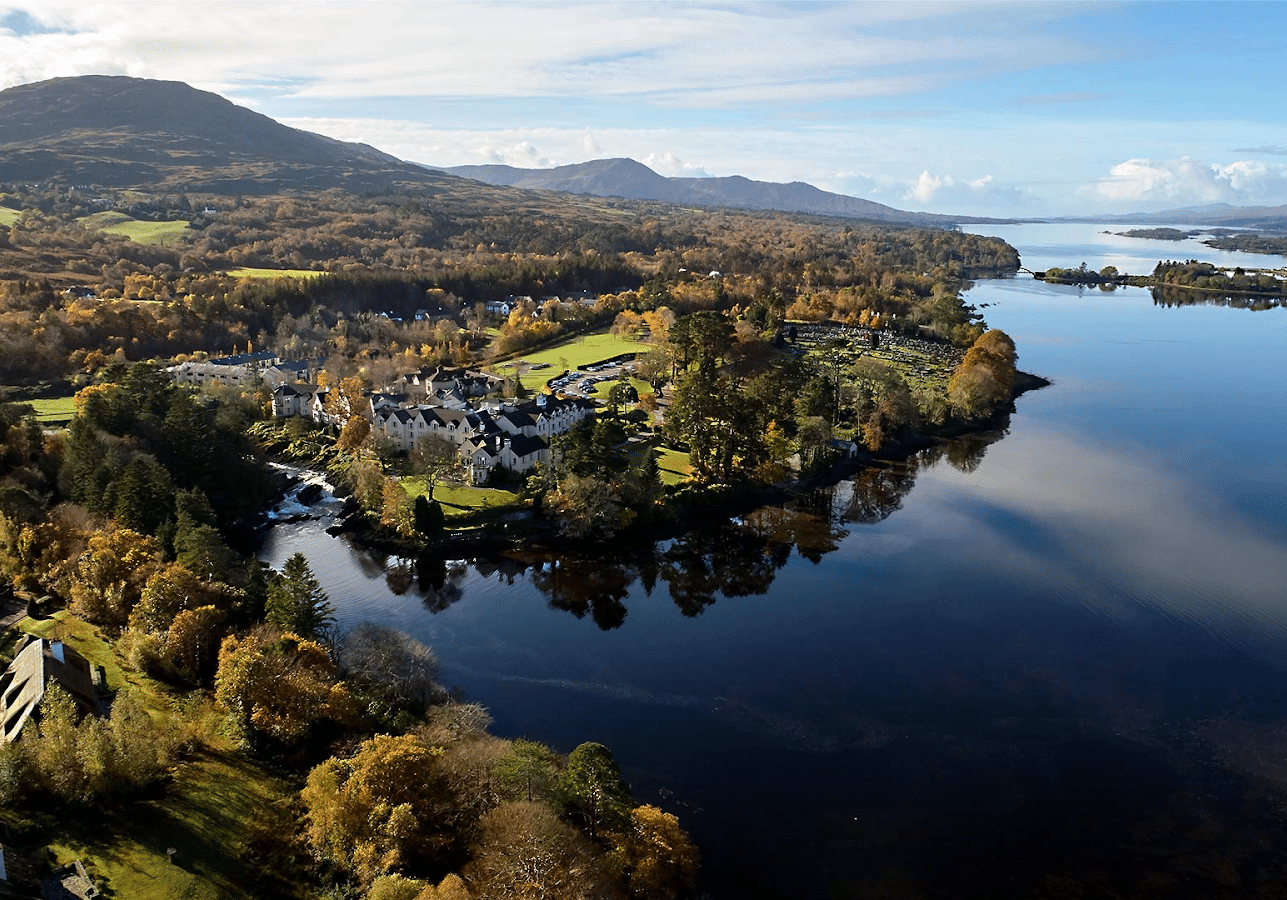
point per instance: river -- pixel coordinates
(1052, 663)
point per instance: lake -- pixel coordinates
(1049, 663)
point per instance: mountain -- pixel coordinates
(122, 132)
(132, 132)
(633, 180)
(1214, 215)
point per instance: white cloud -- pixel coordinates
(690, 56)
(672, 166)
(947, 192)
(1182, 182)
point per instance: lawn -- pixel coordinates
(251, 272)
(9, 216)
(460, 499)
(54, 411)
(140, 232)
(675, 466)
(215, 803)
(579, 351)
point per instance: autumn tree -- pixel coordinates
(109, 577)
(192, 642)
(660, 860)
(353, 435)
(526, 851)
(344, 398)
(984, 380)
(170, 590)
(376, 812)
(279, 688)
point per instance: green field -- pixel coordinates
(251, 272)
(8, 216)
(579, 351)
(54, 411)
(165, 234)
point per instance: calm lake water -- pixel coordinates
(1052, 664)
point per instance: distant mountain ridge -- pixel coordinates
(134, 132)
(1215, 215)
(634, 181)
(123, 132)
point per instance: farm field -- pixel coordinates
(251, 272)
(55, 411)
(166, 234)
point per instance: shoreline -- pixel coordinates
(703, 505)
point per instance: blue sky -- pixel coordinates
(1013, 108)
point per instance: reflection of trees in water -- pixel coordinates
(734, 560)
(1170, 295)
(874, 494)
(581, 585)
(731, 560)
(438, 582)
(966, 452)
(807, 525)
(737, 559)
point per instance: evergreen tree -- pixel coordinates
(592, 788)
(296, 601)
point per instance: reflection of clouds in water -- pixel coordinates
(1112, 530)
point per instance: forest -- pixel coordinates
(398, 252)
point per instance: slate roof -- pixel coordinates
(23, 684)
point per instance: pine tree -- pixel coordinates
(296, 601)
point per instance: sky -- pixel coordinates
(1009, 109)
